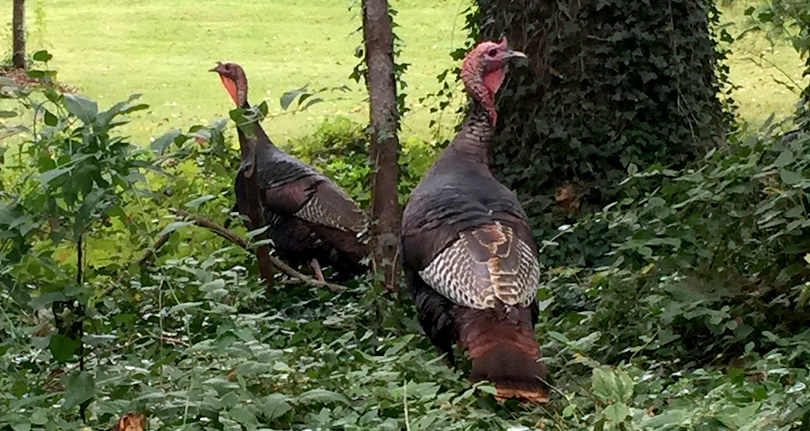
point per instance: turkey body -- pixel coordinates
(471, 262)
(307, 215)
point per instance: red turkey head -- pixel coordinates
(234, 80)
(483, 71)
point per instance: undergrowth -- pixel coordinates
(693, 319)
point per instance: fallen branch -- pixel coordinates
(238, 240)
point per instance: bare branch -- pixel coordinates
(238, 240)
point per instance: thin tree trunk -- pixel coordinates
(379, 42)
(18, 35)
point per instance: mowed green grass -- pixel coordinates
(757, 68)
(163, 50)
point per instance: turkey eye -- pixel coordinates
(492, 52)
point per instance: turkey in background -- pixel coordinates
(310, 219)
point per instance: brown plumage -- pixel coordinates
(310, 219)
(468, 250)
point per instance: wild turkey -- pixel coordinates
(468, 251)
(310, 219)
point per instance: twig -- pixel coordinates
(238, 240)
(150, 253)
(405, 402)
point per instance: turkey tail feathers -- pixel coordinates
(504, 352)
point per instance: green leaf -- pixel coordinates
(43, 56)
(173, 226)
(784, 159)
(79, 388)
(790, 177)
(559, 337)
(162, 143)
(48, 176)
(244, 417)
(214, 290)
(617, 412)
(85, 212)
(50, 119)
(612, 385)
(82, 107)
(259, 231)
(319, 396)
(183, 306)
(62, 348)
(274, 405)
(7, 114)
(288, 96)
(195, 203)
(311, 102)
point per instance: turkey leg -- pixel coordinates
(317, 268)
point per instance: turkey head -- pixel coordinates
(235, 82)
(483, 72)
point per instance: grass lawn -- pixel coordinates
(163, 50)
(758, 67)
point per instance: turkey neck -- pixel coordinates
(254, 132)
(472, 142)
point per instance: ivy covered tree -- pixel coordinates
(610, 86)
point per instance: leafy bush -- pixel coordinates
(339, 149)
(694, 318)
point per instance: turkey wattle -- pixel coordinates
(310, 219)
(468, 251)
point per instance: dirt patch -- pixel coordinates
(21, 78)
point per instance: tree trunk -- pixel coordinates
(379, 42)
(18, 35)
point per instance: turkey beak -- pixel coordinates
(514, 54)
(216, 68)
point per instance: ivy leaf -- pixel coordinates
(79, 388)
(82, 107)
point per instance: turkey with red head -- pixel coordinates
(310, 218)
(468, 251)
